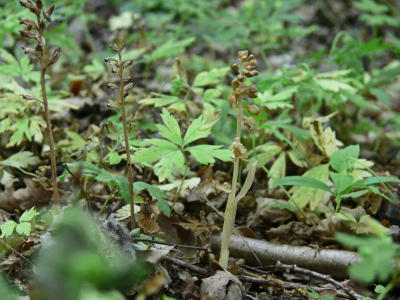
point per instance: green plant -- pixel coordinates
(170, 153)
(241, 91)
(125, 83)
(23, 227)
(39, 52)
(121, 183)
(379, 260)
(375, 14)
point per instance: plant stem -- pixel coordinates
(127, 146)
(231, 205)
(181, 184)
(47, 117)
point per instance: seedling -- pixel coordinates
(125, 84)
(24, 226)
(241, 91)
(35, 30)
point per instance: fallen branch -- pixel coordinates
(332, 262)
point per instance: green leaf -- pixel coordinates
(371, 6)
(170, 48)
(344, 159)
(379, 179)
(211, 77)
(106, 177)
(172, 102)
(377, 257)
(28, 215)
(333, 85)
(341, 181)
(156, 193)
(149, 155)
(302, 181)
(123, 187)
(169, 163)
(205, 154)
(197, 130)
(171, 130)
(7, 228)
(280, 100)
(24, 228)
(114, 158)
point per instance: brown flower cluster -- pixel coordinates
(247, 70)
(34, 30)
(118, 67)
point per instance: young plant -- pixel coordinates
(125, 83)
(24, 226)
(170, 153)
(241, 91)
(35, 30)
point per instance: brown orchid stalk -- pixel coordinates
(241, 91)
(35, 30)
(125, 84)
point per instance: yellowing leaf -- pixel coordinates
(303, 195)
(278, 169)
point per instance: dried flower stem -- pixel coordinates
(39, 52)
(127, 146)
(240, 92)
(124, 85)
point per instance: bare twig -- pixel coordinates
(187, 265)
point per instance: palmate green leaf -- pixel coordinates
(170, 130)
(170, 48)
(198, 129)
(155, 192)
(210, 77)
(172, 102)
(21, 129)
(24, 228)
(205, 154)
(28, 215)
(170, 162)
(7, 228)
(377, 257)
(279, 100)
(22, 159)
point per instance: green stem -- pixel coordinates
(181, 184)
